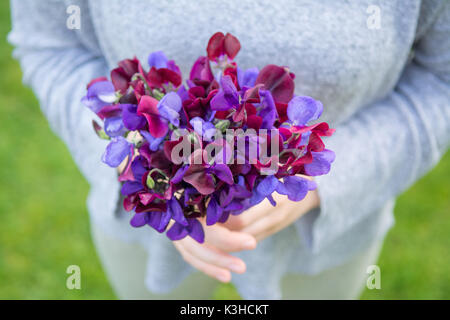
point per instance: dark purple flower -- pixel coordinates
(158, 220)
(194, 229)
(213, 212)
(176, 212)
(264, 189)
(130, 187)
(154, 143)
(227, 97)
(131, 119)
(268, 112)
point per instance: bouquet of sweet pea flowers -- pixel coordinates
(217, 145)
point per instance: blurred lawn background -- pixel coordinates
(44, 224)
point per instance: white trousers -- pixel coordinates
(124, 264)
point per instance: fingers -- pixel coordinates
(254, 214)
(221, 274)
(267, 225)
(227, 240)
(210, 260)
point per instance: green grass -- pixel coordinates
(44, 224)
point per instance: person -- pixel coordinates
(381, 71)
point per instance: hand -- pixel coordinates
(212, 257)
(264, 220)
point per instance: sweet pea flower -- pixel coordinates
(116, 151)
(248, 77)
(99, 95)
(279, 81)
(303, 109)
(204, 129)
(160, 113)
(220, 45)
(162, 71)
(227, 97)
(321, 163)
(193, 229)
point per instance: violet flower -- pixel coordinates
(227, 97)
(116, 151)
(248, 77)
(303, 109)
(99, 95)
(193, 229)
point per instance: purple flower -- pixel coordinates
(227, 97)
(169, 108)
(248, 77)
(321, 163)
(114, 127)
(154, 143)
(157, 59)
(131, 119)
(268, 111)
(158, 220)
(99, 94)
(204, 128)
(213, 212)
(130, 187)
(193, 229)
(302, 109)
(264, 189)
(295, 188)
(116, 151)
(176, 212)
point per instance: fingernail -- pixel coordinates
(223, 277)
(249, 244)
(237, 267)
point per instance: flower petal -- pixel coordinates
(116, 151)
(248, 77)
(195, 230)
(279, 81)
(213, 212)
(177, 232)
(114, 127)
(157, 59)
(176, 211)
(295, 188)
(139, 220)
(321, 163)
(302, 109)
(131, 119)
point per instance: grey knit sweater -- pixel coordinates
(382, 73)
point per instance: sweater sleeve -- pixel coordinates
(387, 146)
(58, 65)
